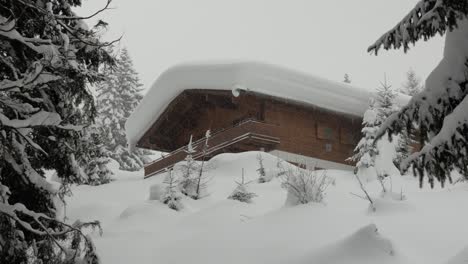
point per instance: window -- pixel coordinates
(328, 147)
(325, 132)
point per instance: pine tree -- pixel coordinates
(366, 151)
(171, 195)
(117, 97)
(439, 111)
(385, 101)
(346, 78)
(261, 169)
(96, 160)
(48, 56)
(188, 169)
(412, 86)
(385, 160)
(403, 147)
(241, 193)
(201, 181)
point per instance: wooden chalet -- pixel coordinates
(303, 119)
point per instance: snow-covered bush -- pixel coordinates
(305, 186)
(172, 196)
(241, 193)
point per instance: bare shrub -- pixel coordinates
(305, 186)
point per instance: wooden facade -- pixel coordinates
(250, 121)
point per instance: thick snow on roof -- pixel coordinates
(250, 76)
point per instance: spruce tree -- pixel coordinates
(171, 195)
(412, 86)
(366, 151)
(201, 181)
(385, 101)
(439, 111)
(241, 192)
(117, 96)
(346, 78)
(188, 169)
(97, 158)
(48, 56)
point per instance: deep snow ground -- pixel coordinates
(428, 227)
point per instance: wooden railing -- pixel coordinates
(253, 130)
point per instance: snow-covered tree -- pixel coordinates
(241, 192)
(261, 169)
(201, 181)
(96, 157)
(403, 147)
(117, 96)
(171, 196)
(346, 79)
(385, 101)
(439, 111)
(412, 85)
(48, 56)
(188, 169)
(366, 151)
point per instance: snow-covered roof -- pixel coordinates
(251, 76)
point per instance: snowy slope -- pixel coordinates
(251, 76)
(427, 227)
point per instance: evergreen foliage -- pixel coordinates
(171, 195)
(412, 86)
(241, 192)
(366, 151)
(47, 58)
(261, 169)
(385, 101)
(201, 181)
(188, 169)
(346, 78)
(439, 111)
(96, 159)
(117, 96)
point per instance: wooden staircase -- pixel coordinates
(247, 135)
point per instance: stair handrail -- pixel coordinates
(245, 121)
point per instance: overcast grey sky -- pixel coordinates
(325, 38)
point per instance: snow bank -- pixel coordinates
(218, 230)
(460, 258)
(156, 191)
(364, 246)
(250, 76)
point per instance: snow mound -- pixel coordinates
(460, 258)
(391, 204)
(364, 246)
(156, 191)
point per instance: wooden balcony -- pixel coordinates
(246, 135)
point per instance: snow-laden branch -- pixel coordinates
(451, 124)
(7, 30)
(36, 76)
(425, 20)
(41, 118)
